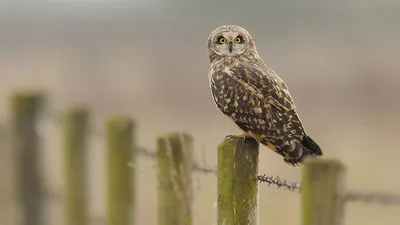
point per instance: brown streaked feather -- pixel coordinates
(239, 90)
(265, 81)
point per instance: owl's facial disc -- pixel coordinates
(229, 44)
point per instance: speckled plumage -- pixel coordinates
(254, 96)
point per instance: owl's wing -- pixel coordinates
(264, 109)
(266, 84)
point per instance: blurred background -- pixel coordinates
(148, 59)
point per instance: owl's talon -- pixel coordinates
(228, 136)
(232, 136)
(242, 136)
(291, 162)
(246, 138)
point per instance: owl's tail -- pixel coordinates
(310, 144)
(301, 150)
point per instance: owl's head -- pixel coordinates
(229, 41)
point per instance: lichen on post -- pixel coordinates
(120, 181)
(237, 182)
(75, 135)
(26, 107)
(323, 192)
(175, 191)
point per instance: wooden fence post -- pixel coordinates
(7, 177)
(25, 142)
(120, 181)
(175, 165)
(323, 192)
(75, 149)
(237, 182)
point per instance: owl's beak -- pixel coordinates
(230, 46)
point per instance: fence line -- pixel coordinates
(366, 197)
(323, 190)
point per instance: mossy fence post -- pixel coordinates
(26, 108)
(120, 180)
(323, 192)
(237, 186)
(7, 177)
(175, 191)
(75, 138)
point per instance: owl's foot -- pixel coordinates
(244, 137)
(291, 162)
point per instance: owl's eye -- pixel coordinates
(221, 40)
(239, 39)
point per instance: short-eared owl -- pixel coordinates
(254, 96)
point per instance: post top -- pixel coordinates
(325, 162)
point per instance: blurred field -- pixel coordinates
(148, 59)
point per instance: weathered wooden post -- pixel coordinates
(26, 108)
(237, 182)
(120, 181)
(7, 177)
(323, 192)
(75, 135)
(175, 191)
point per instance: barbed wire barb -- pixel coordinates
(145, 152)
(277, 181)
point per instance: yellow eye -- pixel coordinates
(238, 40)
(222, 40)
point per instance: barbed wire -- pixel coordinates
(145, 152)
(276, 181)
(196, 166)
(352, 196)
(371, 197)
(205, 169)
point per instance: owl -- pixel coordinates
(255, 97)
